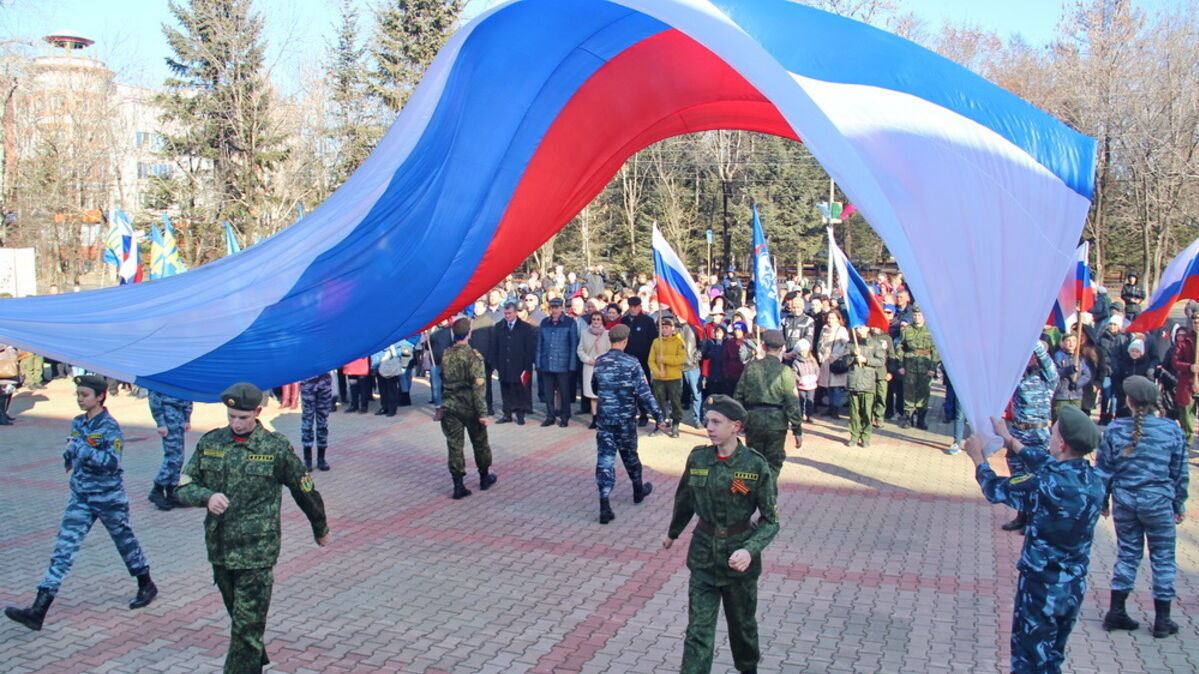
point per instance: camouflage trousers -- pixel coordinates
(1042, 620)
(770, 444)
(861, 409)
(112, 509)
(316, 401)
(608, 442)
(880, 399)
(1141, 519)
(670, 391)
(740, 599)
(453, 425)
(1038, 437)
(917, 387)
(172, 447)
(247, 597)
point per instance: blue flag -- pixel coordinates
(231, 245)
(766, 288)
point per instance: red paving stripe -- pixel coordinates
(874, 579)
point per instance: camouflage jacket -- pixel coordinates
(94, 454)
(1064, 498)
(464, 379)
(1158, 465)
(768, 390)
(249, 474)
(726, 494)
(862, 378)
(887, 346)
(619, 382)
(1031, 404)
(179, 408)
(917, 349)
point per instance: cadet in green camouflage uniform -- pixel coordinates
(464, 408)
(883, 340)
(724, 484)
(920, 361)
(768, 390)
(862, 383)
(236, 471)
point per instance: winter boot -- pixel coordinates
(172, 500)
(921, 423)
(1117, 617)
(486, 479)
(905, 420)
(321, 464)
(158, 498)
(405, 400)
(641, 490)
(308, 458)
(33, 616)
(460, 490)
(1017, 524)
(146, 591)
(606, 514)
(1162, 625)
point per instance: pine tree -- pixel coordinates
(352, 126)
(409, 33)
(219, 106)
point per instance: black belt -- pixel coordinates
(723, 532)
(757, 406)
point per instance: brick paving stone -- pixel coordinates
(888, 560)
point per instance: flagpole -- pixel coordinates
(832, 185)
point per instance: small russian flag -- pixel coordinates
(1180, 281)
(861, 304)
(676, 288)
(1077, 293)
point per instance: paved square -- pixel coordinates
(888, 560)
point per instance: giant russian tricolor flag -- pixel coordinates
(1076, 292)
(861, 304)
(527, 113)
(1180, 281)
(676, 287)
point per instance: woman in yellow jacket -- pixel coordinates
(667, 355)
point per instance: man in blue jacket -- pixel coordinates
(557, 341)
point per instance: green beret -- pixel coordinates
(461, 327)
(1077, 429)
(242, 396)
(93, 381)
(1141, 391)
(727, 406)
(618, 333)
(773, 339)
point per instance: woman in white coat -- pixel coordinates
(593, 343)
(834, 343)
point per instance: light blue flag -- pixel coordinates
(231, 245)
(766, 288)
(158, 254)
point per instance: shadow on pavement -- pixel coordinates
(846, 474)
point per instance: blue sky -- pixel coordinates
(129, 38)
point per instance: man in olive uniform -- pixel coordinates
(920, 360)
(869, 359)
(886, 347)
(769, 392)
(464, 409)
(236, 472)
(724, 484)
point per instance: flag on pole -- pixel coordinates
(173, 261)
(1076, 293)
(861, 304)
(676, 287)
(766, 289)
(231, 245)
(1179, 282)
(120, 249)
(158, 257)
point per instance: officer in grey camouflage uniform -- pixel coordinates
(1143, 460)
(236, 472)
(464, 409)
(93, 458)
(1031, 413)
(619, 385)
(172, 416)
(316, 402)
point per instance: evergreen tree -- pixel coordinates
(352, 127)
(217, 106)
(409, 33)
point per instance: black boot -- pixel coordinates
(905, 420)
(33, 616)
(460, 490)
(606, 514)
(172, 500)
(308, 459)
(920, 420)
(1162, 625)
(1017, 524)
(1117, 617)
(146, 591)
(405, 400)
(520, 418)
(158, 498)
(486, 479)
(549, 421)
(5, 420)
(591, 426)
(641, 490)
(321, 464)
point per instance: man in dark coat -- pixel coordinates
(642, 333)
(513, 347)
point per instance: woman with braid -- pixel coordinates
(1143, 461)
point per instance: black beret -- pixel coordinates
(1141, 391)
(727, 406)
(242, 396)
(93, 381)
(1077, 429)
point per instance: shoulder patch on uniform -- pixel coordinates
(745, 476)
(219, 453)
(306, 483)
(699, 471)
(260, 457)
(118, 446)
(1020, 478)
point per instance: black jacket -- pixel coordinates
(512, 351)
(642, 333)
